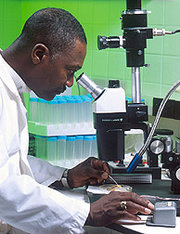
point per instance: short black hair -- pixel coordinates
(56, 28)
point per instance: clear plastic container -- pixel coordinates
(69, 110)
(53, 111)
(87, 107)
(79, 149)
(33, 109)
(43, 111)
(76, 102)
(40, 147)
(80, 110)
(73, 111)
(61, 112)
(61, 150)
(70, 151)
(87, 146)
(51, 149)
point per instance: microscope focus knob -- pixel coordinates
(156, 146)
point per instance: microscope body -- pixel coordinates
(134, 41)
(113, 115)
(111, 127)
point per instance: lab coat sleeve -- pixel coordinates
(35, 208)
(44, 172)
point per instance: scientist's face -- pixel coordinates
(53, 75)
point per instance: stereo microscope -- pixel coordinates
(112, 113)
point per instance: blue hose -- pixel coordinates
(132, 166)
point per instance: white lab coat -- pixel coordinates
(26, 201)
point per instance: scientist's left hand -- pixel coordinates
(91, 171)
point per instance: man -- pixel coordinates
(44, 58)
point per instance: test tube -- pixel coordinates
(75, 109)
(43, 110)
(40, 147)
(33, 109)
(69, 110)
(61, 113)
(65, 110)
(61, 150)
(79, 149)
(80, 110)
(70, 150)
(87, 115)
(53, 107)
(87, 146)
(51, 149)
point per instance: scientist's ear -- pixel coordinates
(39, 53)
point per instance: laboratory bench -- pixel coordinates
(158, 188)
(155, 191)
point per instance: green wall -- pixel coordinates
(102, 17)
(10, 21)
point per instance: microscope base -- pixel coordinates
(154, 171)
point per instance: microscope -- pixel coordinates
(112, 113)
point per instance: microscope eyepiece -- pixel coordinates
(89, 86)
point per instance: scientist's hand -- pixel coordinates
(91, 171)
(108, 209)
